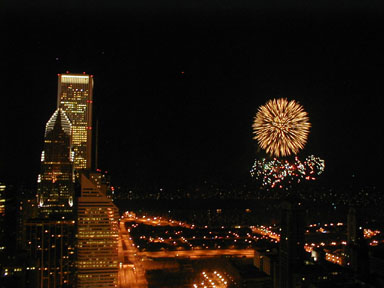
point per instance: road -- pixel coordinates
(266, 232)
(200, 253)
(131, 272)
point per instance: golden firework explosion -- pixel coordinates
(281, 127)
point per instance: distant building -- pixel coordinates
(291, 252)
(351, 225)
(2, 215)
(2, 199)
(55, 182)
(357, 252)
(27, 209)
(75, 97)
(13, 258)
(97, 235)
(51, 252)
(266, 260)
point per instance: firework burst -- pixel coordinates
(281, 127)
(276, 172)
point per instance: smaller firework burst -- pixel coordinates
(275, 172)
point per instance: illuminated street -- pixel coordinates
(200, 253)
(131, 272)
(149, 244)
(132, 261)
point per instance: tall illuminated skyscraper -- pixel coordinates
(55, 182)
(97, 235)
(50, 238)
(75, 97)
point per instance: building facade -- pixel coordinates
(97, 236)
(56, 181)
(75, 97)
(51, 252)
(50, 237)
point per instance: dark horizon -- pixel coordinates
(177, 86)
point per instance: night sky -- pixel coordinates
(177, 83)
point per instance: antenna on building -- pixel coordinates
(97, 145)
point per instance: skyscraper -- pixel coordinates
(75, 97)
(50, 238)
(55, 181)
(97, 232)
(291, 254)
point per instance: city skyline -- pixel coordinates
(223, 144)
(176, 99)
(71, 238)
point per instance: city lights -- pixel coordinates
(76, 234)
(223, 146)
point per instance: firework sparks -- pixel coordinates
(281, 127)
(276, 171)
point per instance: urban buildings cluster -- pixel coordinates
(69, 232)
